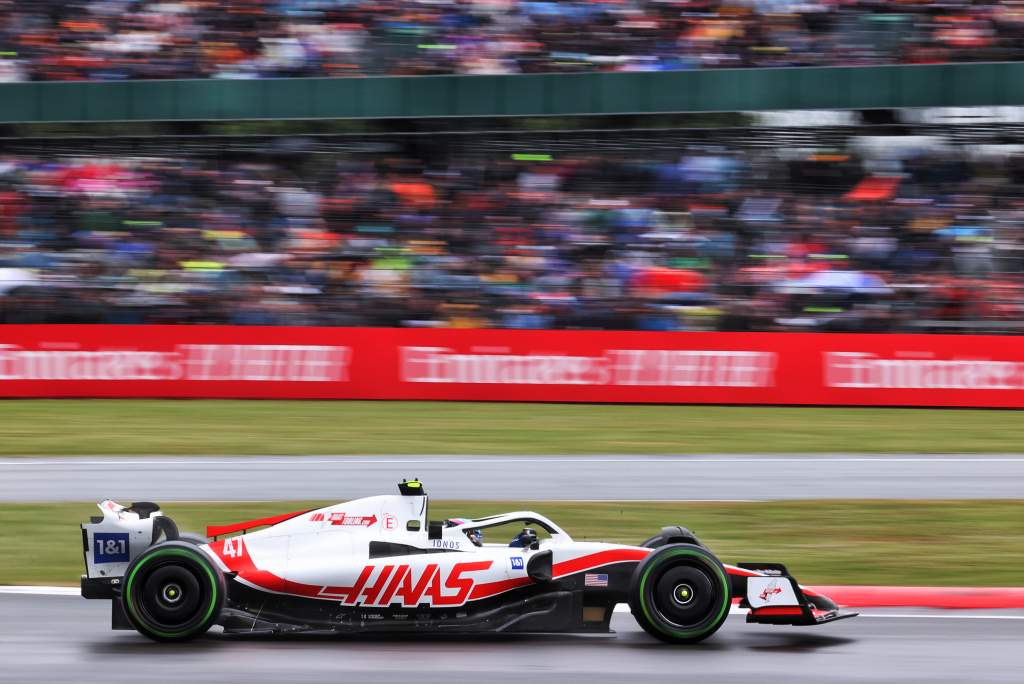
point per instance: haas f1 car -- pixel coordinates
(379, 564)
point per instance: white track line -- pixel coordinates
(734, 610)
(41, 591)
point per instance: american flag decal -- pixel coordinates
(595, 580)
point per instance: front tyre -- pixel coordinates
(172, 592)
(680, 593)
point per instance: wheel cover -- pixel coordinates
(683, 596)
(170, 595)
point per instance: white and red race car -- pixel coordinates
(379, 564)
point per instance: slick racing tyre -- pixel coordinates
(172, 592)
(193, 538)
(680, 594)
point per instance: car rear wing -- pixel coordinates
(111, 541)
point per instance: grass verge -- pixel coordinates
(183, 427)
(977, 543)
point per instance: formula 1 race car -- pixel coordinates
(379, 564)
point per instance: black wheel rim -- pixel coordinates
(685, 596)
(171, 595)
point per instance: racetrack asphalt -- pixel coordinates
(542, 478)
(62, 639)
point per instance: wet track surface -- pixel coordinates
(674, 478)
(66, 639)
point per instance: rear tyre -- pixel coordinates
(172, 592)
(193, 538)
(680, 594)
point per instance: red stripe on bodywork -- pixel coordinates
(488, 589)
(218, 530)
(596, 560)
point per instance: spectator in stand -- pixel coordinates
(682, 239)
(152, 39)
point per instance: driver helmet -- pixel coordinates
(527, 538)
(475, 536)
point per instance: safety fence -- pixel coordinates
(503, 365)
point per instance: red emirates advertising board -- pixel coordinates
(510, 365)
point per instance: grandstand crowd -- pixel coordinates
(693, 238)
(161, 39)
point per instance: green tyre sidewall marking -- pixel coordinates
(693, 633)
(158, 554)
